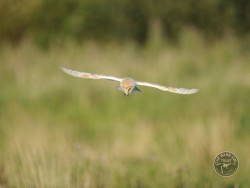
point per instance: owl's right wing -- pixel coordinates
(89, 75)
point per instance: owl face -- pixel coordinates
(127, 86)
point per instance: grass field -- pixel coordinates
(60, 131)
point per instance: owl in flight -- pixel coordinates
(128, 85)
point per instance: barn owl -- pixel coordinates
(128, 85)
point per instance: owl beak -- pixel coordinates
(127, 93)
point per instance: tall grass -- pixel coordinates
(60, 131)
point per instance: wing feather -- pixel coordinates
(89, 75)
(169, 89)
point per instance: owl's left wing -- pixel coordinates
(89, 75)
(183, 91)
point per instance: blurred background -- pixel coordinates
(61, 131)
(45, 21)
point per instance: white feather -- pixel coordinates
(89, 75)
(170, 89)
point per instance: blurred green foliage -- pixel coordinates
(46, 21)
(61, 131)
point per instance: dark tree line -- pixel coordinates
(47, 20)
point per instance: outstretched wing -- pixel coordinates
(89, 75)
(170, 89)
